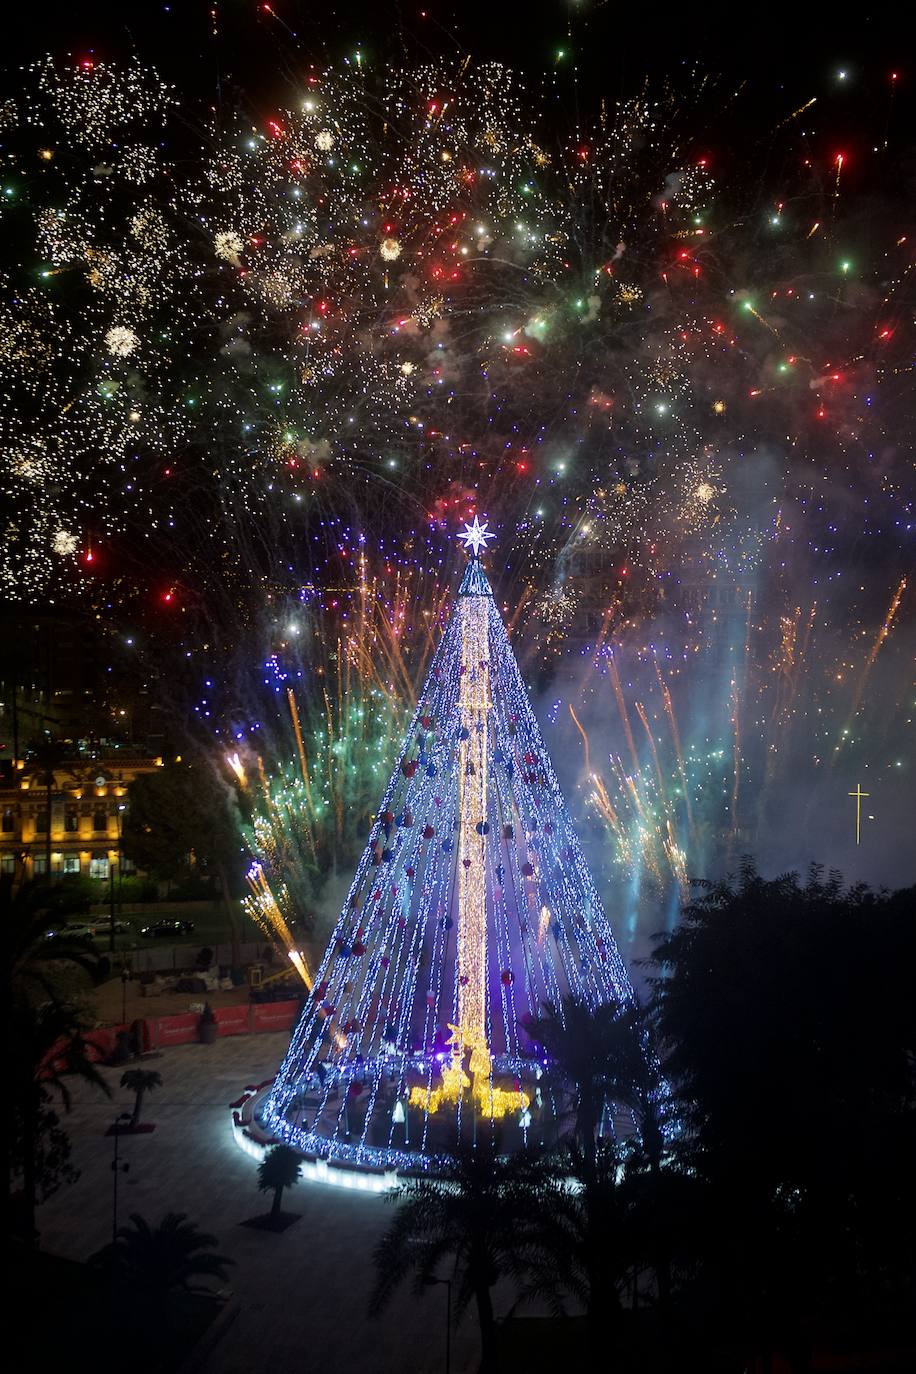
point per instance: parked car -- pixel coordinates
(164, 930)
(90, 930)
(82, 931)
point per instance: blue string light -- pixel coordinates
(378, 1035)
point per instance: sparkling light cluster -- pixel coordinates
(414, 280)
(274, 369)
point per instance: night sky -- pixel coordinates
(709, 435)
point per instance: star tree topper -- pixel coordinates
(475, 537)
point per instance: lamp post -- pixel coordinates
(111, 885)
(430, 1282)
(111, 908)
(49, 802)
(117, 1168)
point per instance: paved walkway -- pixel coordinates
(303, 1293)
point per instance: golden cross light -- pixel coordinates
(858, 794)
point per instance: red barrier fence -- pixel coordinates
(248, 1019)
(174, 1030)
(273, 1016)
(159, 1032)
(233, 1020)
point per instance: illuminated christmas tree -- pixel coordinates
(472, 905)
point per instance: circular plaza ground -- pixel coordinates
(302, 1294)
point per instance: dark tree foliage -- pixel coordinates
(474, 1223)
(157, 1260)
(185, 813)
(605, 1057)
(50, 1145)
(279, 1169)
(789, 1024)
(46, 1042)
(140, 1082)
(183, 809)
(589, 1239)
(592, 1053)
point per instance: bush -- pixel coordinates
(192, 887)
(136, 889)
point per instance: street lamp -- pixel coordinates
(117, 1168)
(430, 1281)
(111, 888)
(125, 979)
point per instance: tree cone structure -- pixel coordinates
(472, 905)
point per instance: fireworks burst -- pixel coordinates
(271, 373)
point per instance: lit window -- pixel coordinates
(98, 866)
(71, 820)
(71, 863)
(8, 863)
(39, 865)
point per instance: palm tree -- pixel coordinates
(46, 1044)
(46, 1037)
(607, 1055)
(797, 991)
(165, 1258)
(280, 1168)
(140, 1082)
(482, 1212)
(596, 1054)
(588, 1240)
(33, 958)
